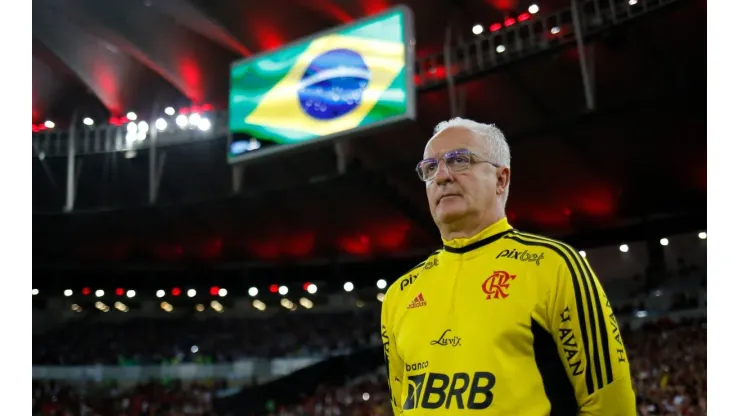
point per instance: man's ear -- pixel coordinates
(503, 176)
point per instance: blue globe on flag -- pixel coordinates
(333, 84)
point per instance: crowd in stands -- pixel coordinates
(157, 341)
(149, 399)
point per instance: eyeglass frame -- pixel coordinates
(444, 157)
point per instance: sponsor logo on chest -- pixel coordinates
(523, 256)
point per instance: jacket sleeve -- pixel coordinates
(589, 341)
(393, 363)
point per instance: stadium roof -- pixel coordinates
(638, 157)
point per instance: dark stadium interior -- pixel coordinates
(631, 170)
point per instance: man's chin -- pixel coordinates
(448, 215)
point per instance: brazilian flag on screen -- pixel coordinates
(352, 77)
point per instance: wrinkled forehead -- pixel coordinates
(454, 138)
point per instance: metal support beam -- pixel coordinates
(587, 83)
(448, 72)
(341, 150)
(237, 178)
(153, 168)
(71, 171)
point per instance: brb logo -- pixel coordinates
(497, 285)
(459, 391)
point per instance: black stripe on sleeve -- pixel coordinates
(579, 301)
(590, 279)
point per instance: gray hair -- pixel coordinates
(496, 148)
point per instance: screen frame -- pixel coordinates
(409, 42)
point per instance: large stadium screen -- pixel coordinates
(331, 85)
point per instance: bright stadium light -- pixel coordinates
(477, 29)
(582, 253)
(222, 292)
(160, 293)
(68, 292)
(130, 293)
(143, 126)
(555, 30)
(169, 111)
(34, 292)
(533, 9)
(703, 235)
(382, 284)
(182, 121)
(194, 349)
(204, 124)
(191, 293)
(259, 305)
(131, 127)
(311, 288)
(348, 286)
(194, 119)
(632, 2)
(161, 124)
(366, 396)
(500, 48)
(131, 115)
(49, 124)
(663, 241)
(624, 248)
(87, 121)
(253, 291)
(380, 297)
(283, 290)
(99, 293)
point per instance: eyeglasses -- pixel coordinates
(456, 160)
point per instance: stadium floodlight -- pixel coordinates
(306, 303)
(283, 290)
(223, 292)
(169, 111)
(365, 396)
(533, 9)
(348, 286)
(204, 124)
(253, 291)
(382, 284)
(477, 29)
(624, 248)
(34, 292)
(194, 119)
(131, 127)
(582, 253)
(632, 2)
(703, 235)
(68, 292)
(663, 241)
(199, 307)
(161, 124)
(311, 288)
(99, 293)
(131, 115)
(182, 121)
(500, 48)
(555, 30)
(191, 293)
(194, 349)
(49, 124)
(130, 293)
(88, 121)
(143, 126)
(160, 293)
(380, 297)
(259, 305)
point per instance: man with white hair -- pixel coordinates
(498, 321)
